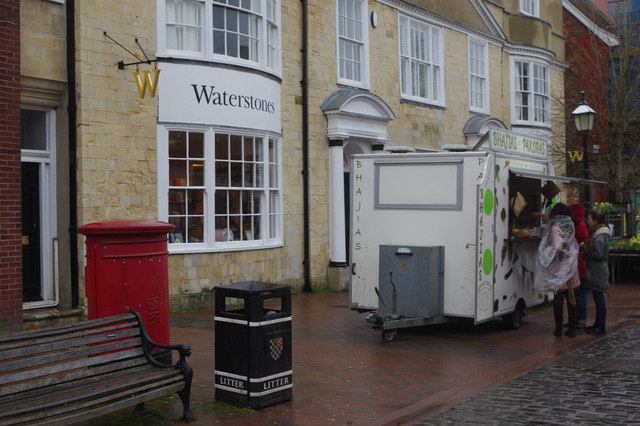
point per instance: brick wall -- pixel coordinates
(587, 57)
(10, 189)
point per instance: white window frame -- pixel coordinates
(435, 93)
(271, 198)
(532, 89)
(48, 213)
(530, 7)
(479, 76)
(363, 80)
(269, 44)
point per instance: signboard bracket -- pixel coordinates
(122, 65)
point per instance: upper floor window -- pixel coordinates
(243, 32)
(478, 71)
(353, 55)
(184, 25)
(531, 103)
(421, 59)
(529, 7)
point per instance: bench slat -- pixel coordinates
(71, 365)
(34, 387)
(65, 329)
(74, 347)
(120, 382)
(37, 346)
(93, 408)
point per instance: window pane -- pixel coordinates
(244, 47)
(196, 173)
(33, 129)
(219, 42)
(244, 23)
(195, 201)
(232, 45)
(236, 174)
(221, 202)
(196, 145)
(232, 20)
(195, 229)
(222, 147)
(177, 202)
(218, 17)
(178, 172)
(236, 148)
(178, 144)
(177, 236)
(234, 202)
(249, 175)
(222, 173)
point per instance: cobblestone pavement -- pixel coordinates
(598, 384)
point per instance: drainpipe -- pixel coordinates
(305, 147)
(73, 137)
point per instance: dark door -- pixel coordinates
(31, 281)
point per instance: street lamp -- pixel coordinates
(584, 116)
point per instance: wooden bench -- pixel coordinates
(71, 373)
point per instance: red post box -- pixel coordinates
(127, 269)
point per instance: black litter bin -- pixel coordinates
(253, 344)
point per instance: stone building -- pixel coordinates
(235, 120)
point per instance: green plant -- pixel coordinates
(632, 243)
(606, 207)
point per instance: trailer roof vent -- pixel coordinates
(399, 149)
(455, 147)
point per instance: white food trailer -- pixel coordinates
(434, 236)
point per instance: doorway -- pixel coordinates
(39, 222)
(31, 272)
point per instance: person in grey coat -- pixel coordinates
(597, 273)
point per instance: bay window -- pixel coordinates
(421, 59)
(531, 99)
(242, 32)
(223, 189)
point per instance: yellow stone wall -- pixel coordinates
(43, 40)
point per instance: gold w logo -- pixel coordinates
(576, 156)
(145, 81)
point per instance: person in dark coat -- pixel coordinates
(582, 236)
(597, 272)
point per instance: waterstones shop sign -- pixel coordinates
(194, 94)
(518, 144)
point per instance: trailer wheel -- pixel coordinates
(514, 319)
(388, 335)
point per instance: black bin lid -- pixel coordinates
(253, 287)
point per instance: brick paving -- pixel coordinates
(343, 374)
